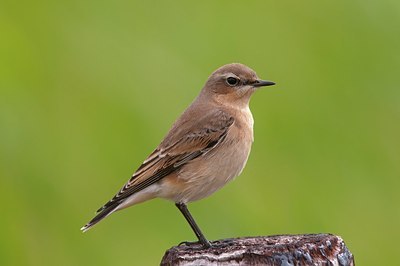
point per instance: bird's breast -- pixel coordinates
(244, 122)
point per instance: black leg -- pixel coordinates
(184, 210)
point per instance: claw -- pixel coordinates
(188, 243)
(203, 245)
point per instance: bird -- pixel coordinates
(206, 147)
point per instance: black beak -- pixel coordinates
(262, 83)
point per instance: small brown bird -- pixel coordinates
(206, 147)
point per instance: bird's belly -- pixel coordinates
(208, 173)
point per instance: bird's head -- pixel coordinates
(233, 84)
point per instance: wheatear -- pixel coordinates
(206, 147)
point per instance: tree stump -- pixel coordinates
(282, 250)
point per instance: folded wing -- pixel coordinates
(178, 148)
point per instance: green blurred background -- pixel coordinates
(89, 88)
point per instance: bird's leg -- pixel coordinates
(184, 210)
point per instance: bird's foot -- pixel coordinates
(188, 243)
(199, 244)
(222, 244)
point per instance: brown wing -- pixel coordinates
(187, 140)
(173, 153)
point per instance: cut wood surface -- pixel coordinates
(283, 250)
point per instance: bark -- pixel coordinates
(283, 250)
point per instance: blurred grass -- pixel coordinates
(88, 89)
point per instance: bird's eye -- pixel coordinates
(232, 81)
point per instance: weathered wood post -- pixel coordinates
(282, 250)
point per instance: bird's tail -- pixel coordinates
(102, 213)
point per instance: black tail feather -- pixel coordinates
(100, 216)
